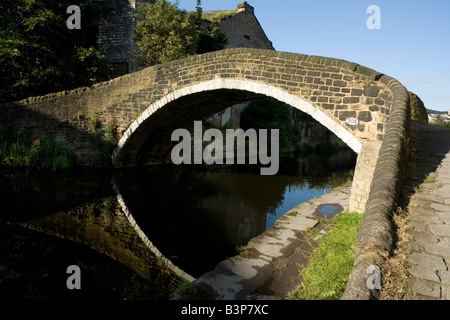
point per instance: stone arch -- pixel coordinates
(240, 85)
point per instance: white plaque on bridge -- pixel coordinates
(351, 121)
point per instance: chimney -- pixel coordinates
(244, 6)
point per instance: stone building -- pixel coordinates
(117, 22)
(241, 27)
(116, 26)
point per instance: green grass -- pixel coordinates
(429, 179)
(219, 15)
(326, 275)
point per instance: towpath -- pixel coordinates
(429, 215)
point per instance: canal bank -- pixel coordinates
(268, 267)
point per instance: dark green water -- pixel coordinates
(194, 216)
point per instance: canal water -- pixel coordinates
(192, 216)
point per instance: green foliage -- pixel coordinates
(199, 11)
(220, 15)
(13, 151)
(48, 154)
(210, 39)
(328, 270)
(270, 114)
(39, 54)
(194, 291)
(94, 125)
(429, 179)
(165, 33)
(110, 133)
(440, 122)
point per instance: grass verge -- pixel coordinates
(327, 273)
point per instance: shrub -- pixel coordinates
(51, 155)
(48, 154)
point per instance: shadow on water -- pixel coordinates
(51, 221)
(195, 217)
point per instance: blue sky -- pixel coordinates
(413, 44)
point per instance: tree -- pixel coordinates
(210, 39)
(199, 11)
(270, 114)
(165, 33)
(39, 54)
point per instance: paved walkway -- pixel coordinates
(429, 215)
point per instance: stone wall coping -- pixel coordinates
(376, 236)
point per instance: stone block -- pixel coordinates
(371, 90)
(426, 288)
(339, 83)
(437, 249)
(440, 207)
(365, 116)
(428, 261)
(440, 230)
(445, 277)
(357, 92)
(336, 76)
(297, 223)
(424, 273)
(328, 106)
(351, 100)
(343, 115)
(422, 236)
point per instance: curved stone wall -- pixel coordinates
(376, 235)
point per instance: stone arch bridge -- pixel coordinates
(146, 106)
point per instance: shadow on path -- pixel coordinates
(429, 214)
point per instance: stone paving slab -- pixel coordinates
(429, 217)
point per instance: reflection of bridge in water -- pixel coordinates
(82, 207)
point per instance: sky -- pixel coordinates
(412, 44)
